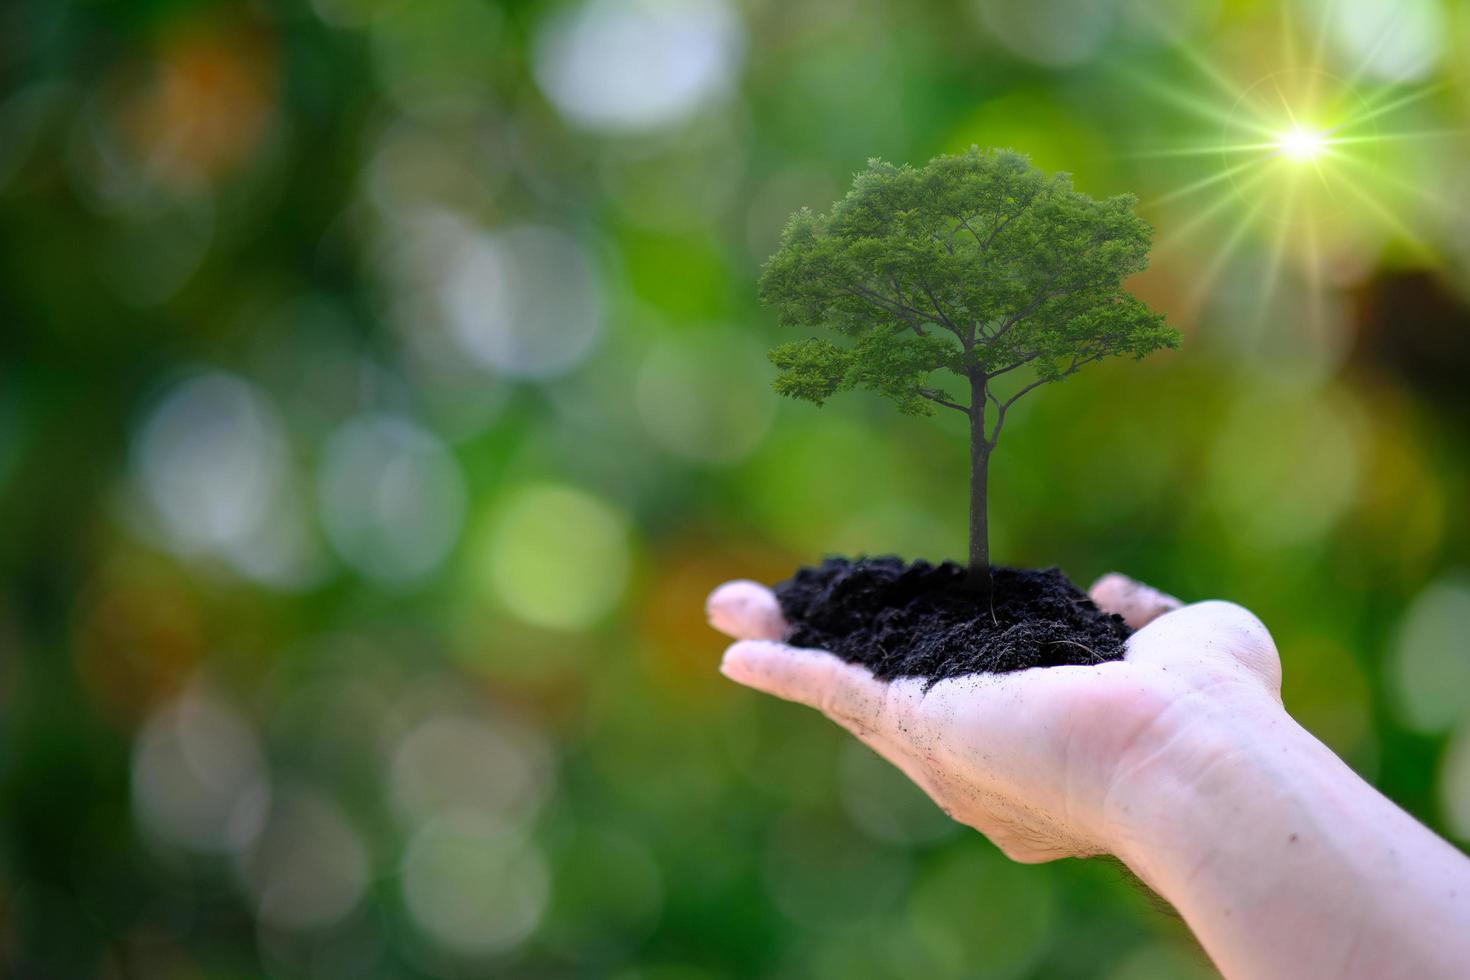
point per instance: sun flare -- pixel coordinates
(1301, 143)
(1297, 169)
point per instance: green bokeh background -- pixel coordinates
(382, 391)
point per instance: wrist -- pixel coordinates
(1181, 774)
(1281, 859)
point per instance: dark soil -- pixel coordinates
(922, 620)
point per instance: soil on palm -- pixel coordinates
(902, 619)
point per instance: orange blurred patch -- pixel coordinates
(1328, 692)
(1403, 508)
(678, 646)
(1164, 292)
(137, 640)
(204, 106)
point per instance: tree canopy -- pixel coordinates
(978, 264)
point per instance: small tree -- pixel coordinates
(977, 264)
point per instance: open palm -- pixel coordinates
(1037, 760)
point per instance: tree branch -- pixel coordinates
(970, 228)
(1011, 367)
(934, 301)
(937, 397)
(1001, 226)
(1015, 318)
(1025, 389)
(909, 303)
(1002, 406)
(892, 306)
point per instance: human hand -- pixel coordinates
(1045, 762)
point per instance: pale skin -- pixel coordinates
(1180, 760)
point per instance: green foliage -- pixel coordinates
(318, 281)
(814, 370)
(976, 264)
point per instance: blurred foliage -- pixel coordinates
(383, 389)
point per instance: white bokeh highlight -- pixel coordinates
(630, 66)
(199, 781)
(1057, 33)
(524, 302)
(309, 868)
(1454, 782)
(1391, 40)
(211, 459)
(212, 467)
(392, 498)
(1429, 665)
(473, 886)
(461, 763)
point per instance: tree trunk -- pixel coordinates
(979, 474)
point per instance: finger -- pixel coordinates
(746, 611)
(844, 692)
(1215, 628)
(1137, 603)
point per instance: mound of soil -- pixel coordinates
(921, 620)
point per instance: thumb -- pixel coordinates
(1137, 603)
(1211, 630)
